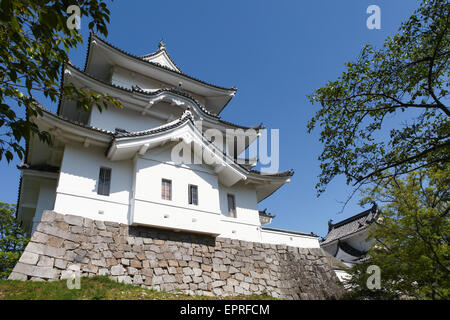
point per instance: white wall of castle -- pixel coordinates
(123, 118)
(127, 79)
(76, 194)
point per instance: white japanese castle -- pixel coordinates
(117, 165)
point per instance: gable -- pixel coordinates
(162, 58)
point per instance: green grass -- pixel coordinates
(96, 288)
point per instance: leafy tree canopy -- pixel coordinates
(410, 240)
(34, 43)
(406, 80)
(13, 239)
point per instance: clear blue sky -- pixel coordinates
(275, 53)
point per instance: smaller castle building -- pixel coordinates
(347, 239)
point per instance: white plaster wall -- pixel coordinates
(77, 187)
(176, 213)
(291, 239)
(127, 79)
(45, 200)
(154, 167)
(76, 194)
(123, 118)
(246, 225)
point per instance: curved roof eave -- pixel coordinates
(227, 91)
(146, 94)
(62, 121)
(281, 177)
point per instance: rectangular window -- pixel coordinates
(104, 181)
(166, 189)
(193, 194)
(231, 206)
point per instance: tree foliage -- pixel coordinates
(410, 241)
(13, 239)
(405, 81)
(34, 44)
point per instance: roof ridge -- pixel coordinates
(353, 218)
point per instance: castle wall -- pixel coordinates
(170, 261)
(76, 194)
(123, 118)
(78, 183)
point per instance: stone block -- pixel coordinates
(169, 278)
(100, 225)
(117, 270)
(219, 267)
(29, 258)
(172, 270)
(48, 216)
(55, 242)
(45, 261)
(103, 272)
(197, 272)
(136, 264)
(39, 237)
(60, 264)
(137, 279)
(42, 249)
(206, 268)
(216, 284)
(188, 271)
(73, 220)
(125, 279)
(157, 280)
(17, 276)
(35, 271)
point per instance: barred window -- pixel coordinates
(231, 206)
(193, 194)
(166, 189)
(104, 181)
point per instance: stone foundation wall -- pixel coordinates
(166, 260)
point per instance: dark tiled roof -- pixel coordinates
(176, 91)
(265, 214)
(150, 62)
(286, 173)
(351, 225)
(82, 125)
(120, 133)
(125, 134)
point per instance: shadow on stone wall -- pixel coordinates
(166, 234)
